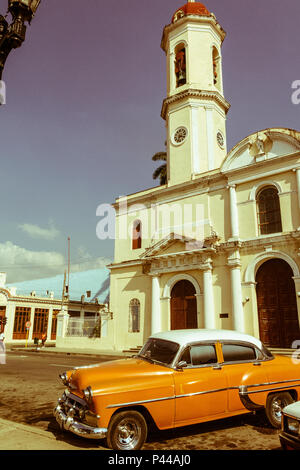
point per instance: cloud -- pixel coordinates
(84, 261)
(34, 231)
(21, 264)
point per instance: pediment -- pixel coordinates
(263, 145)
(174, 244)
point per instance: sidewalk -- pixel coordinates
(108, 355)
(15, 436)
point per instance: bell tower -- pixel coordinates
(195, 108)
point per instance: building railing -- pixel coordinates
(84, 327)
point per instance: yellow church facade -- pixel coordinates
(217, 246)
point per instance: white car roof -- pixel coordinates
(189, 336)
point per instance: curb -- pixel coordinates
(106, 356)
(23, 437)
(25, 428)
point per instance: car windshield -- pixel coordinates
(159, 350)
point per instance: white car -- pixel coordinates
(290, 427)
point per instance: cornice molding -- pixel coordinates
(202, 183)
(193, 19)
(51, 302)
(272, 239)
(194, 93)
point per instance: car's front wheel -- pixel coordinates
(274, 406)
(127, 431)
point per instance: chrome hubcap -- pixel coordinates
(128, 433)
(277, 409)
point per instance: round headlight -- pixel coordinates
(293, 425)
(88, 394)
(64, 378)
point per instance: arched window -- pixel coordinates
(134, 316)
(180, 65)
(216, 68)
(268, 211)
(137, 235)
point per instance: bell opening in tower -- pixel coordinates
(216, 68)
(180, 65)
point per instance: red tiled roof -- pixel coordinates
(195, 8)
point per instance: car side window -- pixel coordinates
(199, 355)
(238, 353)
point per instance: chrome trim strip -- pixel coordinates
(205, 392)
(142, 401)
(275, 383)
(173, 397)
(269, 389)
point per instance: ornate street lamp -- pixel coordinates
(13, 35)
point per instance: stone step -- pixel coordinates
(132, 350)
(284, 352)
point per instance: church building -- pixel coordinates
(217, 246)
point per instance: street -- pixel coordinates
(30, 387)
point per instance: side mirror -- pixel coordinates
(181, 365)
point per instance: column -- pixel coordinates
(50, 315)
(236, 294)
(155, 314)
(82, 312)
(210, 138)
(31, 323)
(234, 221)
(297, 289)
(208, 298)
(62, 322)
(297, 171)
(250, 306)
(9, 328)
(195, 140)
(200, 319)
(171, 72)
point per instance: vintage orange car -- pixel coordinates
(179, 378)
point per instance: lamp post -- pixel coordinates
(13, 35)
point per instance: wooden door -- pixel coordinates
(2, 316)
(277, 305)
(183, 306)
(40, 324)
(22, 316)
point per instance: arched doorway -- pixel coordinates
(277, 305)
(183, 306)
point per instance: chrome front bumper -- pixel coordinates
(68, 422)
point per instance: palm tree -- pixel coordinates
(161, 171)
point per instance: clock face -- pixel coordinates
(180, 135)
(220, 139)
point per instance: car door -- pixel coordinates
(200, 386)
(242, 365)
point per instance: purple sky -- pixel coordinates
(82, 118)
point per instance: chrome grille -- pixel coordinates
(73, 406)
